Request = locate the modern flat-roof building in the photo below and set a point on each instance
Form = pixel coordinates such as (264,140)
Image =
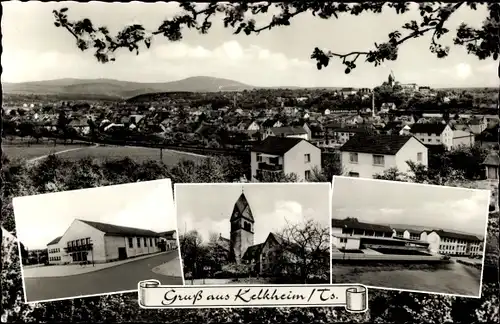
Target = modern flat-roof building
(351,235)
(100,242)
(445,242)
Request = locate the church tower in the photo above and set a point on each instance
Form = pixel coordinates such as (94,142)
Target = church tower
(242,229)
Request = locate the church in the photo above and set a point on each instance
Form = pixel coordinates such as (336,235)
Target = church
(240,248)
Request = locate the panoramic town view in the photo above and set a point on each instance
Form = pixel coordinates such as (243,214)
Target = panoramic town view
(99,94)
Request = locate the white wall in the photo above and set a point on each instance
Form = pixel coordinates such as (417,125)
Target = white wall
(136,251)
(58,254)
(445,138)
(462,138)
(365,166)
(409,152)
(79,230)
(112,243)
(434,242)
(294,159)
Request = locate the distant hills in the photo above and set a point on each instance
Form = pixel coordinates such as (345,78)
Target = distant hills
(81,89)
(109,89)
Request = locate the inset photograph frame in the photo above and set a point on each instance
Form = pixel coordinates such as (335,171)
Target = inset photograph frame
(254,233)
(408,236)
(97,241)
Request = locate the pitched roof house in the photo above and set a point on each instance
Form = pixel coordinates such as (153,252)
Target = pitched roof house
(433,133)
(368,155)
(285,155)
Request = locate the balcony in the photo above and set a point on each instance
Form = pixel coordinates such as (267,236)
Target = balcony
(270,167)
(79,248)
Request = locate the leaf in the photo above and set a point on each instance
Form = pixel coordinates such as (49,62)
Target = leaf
(347,71)
(63,10)
(57,24)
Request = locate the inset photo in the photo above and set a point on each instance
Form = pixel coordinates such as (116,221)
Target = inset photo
(254,233)
(97,241)
(407,236)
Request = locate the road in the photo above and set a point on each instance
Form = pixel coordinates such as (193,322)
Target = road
(119,278)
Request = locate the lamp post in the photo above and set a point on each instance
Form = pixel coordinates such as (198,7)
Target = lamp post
(92,251)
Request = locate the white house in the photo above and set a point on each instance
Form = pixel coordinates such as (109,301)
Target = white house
(285,155)
(444,242)
(367,155)
(100,242)
(295,132)
(461,137)
(254,126)
(478,125)
(433,134)
(170,239)
(54,251)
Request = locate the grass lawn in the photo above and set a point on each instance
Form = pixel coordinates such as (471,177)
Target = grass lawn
(102,153)
(35,150)
(138,154)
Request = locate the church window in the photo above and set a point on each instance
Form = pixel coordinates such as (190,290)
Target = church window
(246,226)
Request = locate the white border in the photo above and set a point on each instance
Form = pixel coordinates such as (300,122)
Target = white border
(160,181)
(243,184)
(436,186)
(177,234)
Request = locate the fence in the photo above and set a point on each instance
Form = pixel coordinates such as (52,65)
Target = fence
(385,257)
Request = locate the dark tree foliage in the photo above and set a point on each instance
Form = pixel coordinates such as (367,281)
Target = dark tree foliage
(240,16)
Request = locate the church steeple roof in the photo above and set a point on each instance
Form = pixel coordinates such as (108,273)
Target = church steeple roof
(242,209)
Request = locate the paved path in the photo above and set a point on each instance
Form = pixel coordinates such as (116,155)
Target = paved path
(170,268)
(121,278)
(59,152)
(75,269)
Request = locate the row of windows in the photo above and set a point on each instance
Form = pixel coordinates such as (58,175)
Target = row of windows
(377,159)
(145,240)
(430,140)
(79,242)
(343,240)
(452,240)
(365,233)
(57,258)
(56,250)
(307,158)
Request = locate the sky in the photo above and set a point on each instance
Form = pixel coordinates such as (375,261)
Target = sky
(207,208)
(34,49)
(145,205)
(391,202)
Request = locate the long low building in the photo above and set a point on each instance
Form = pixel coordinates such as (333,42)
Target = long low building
(350,235)
(99,242)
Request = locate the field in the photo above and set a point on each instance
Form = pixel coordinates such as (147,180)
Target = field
(102,153)
(36,150)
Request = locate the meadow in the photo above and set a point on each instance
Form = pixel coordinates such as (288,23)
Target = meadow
(74,152)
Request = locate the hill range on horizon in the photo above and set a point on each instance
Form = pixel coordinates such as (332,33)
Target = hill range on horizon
(118,90)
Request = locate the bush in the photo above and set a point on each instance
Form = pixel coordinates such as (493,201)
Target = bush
(234,271)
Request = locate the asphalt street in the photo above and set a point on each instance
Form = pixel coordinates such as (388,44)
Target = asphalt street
(114,279)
